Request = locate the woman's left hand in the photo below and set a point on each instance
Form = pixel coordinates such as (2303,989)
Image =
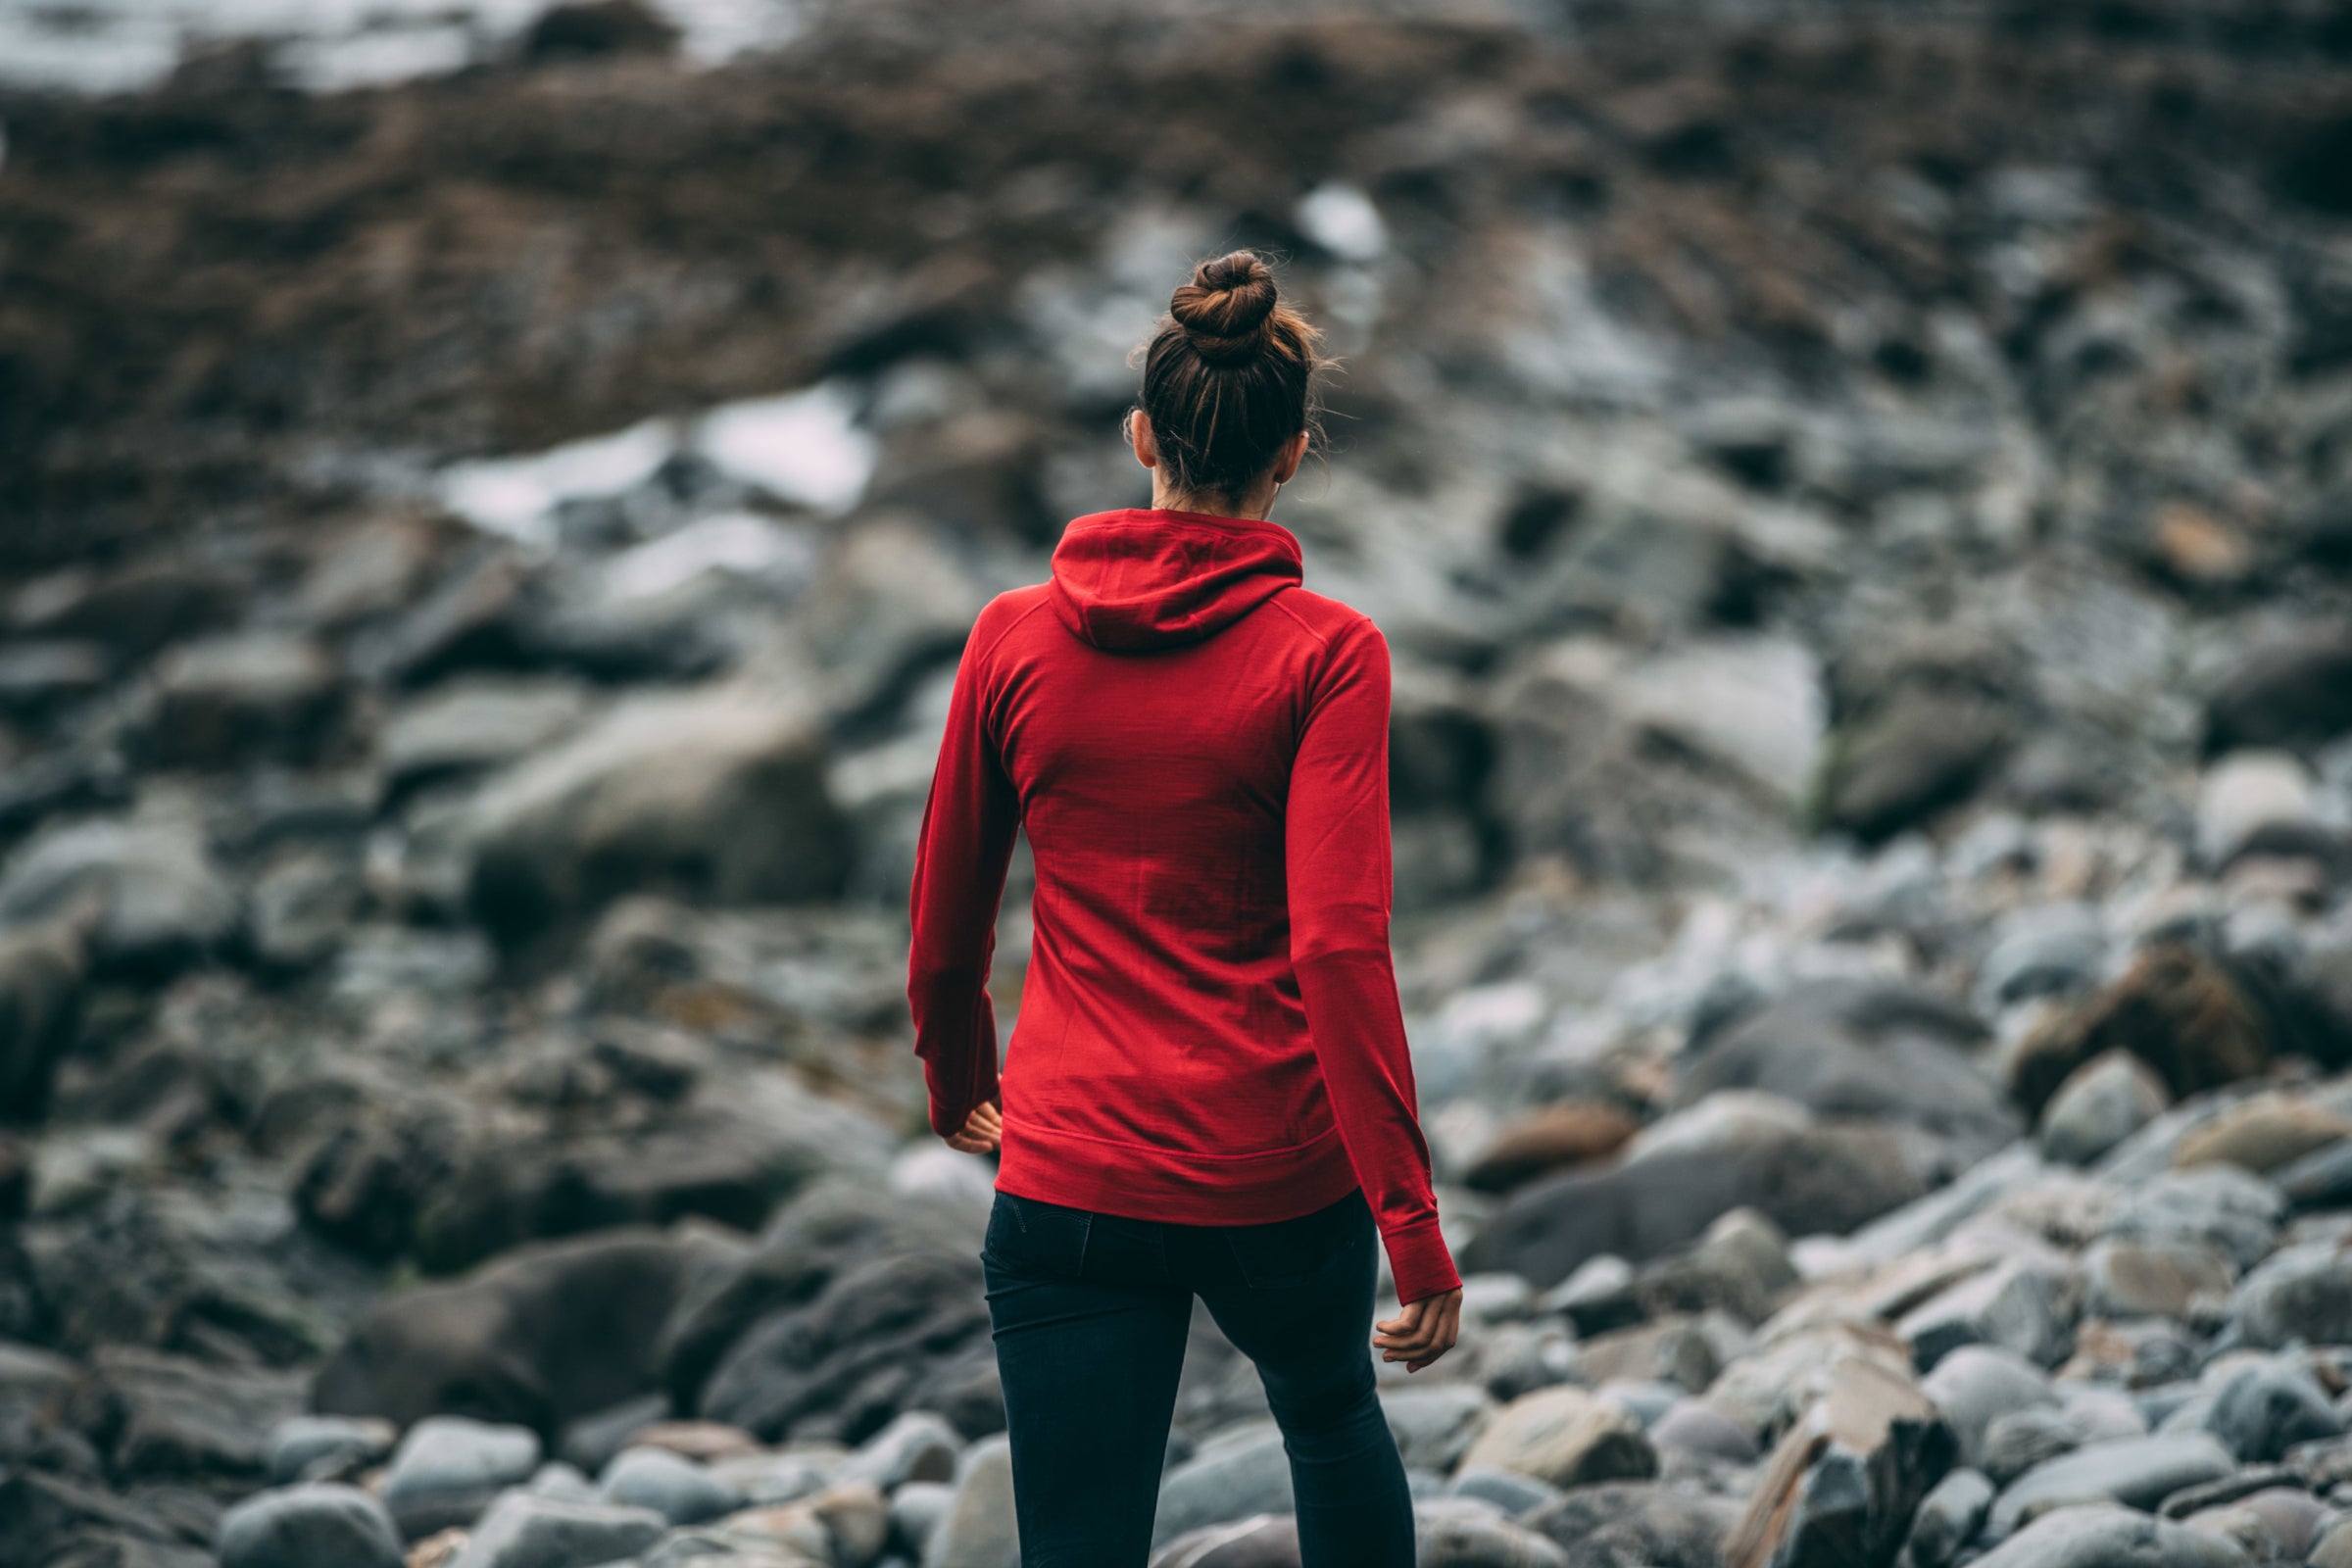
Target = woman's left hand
(1421,1331)
(983,1130)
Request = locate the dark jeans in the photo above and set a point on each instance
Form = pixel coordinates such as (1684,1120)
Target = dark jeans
(1091,1314)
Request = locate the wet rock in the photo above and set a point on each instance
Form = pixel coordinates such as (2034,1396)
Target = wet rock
(2175,1008)
(2104,1101)
(526,1531)
(543,1335)
(1566,1437)
(161,900)
(2269,1407)
(2110,1537)
(2138,1472)
(448,1469)
(2162,1279)
(304,1526)
(225,702)
(1948,1518)
(718,795)
(1845,1480)
(1560,1135)
(680,1491)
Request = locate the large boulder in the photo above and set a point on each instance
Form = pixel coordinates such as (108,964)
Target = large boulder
(854,1308)
(545,1335)
(1845,1480)
(1729,1152)
(1863,1049)
(716,795)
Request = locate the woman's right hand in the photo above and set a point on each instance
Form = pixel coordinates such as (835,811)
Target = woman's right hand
(1421,1331)
(983,1130)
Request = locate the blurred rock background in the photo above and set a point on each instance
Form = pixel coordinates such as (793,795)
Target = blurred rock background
(1860,496)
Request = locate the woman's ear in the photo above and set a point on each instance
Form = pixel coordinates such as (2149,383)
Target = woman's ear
(1293,452)
(1139,433)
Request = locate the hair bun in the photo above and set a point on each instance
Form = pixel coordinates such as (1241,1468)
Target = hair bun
(1225,308)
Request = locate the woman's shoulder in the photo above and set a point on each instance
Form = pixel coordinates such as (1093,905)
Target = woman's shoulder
(1334,622)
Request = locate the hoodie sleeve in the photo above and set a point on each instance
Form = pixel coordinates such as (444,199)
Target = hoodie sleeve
(1341,882)
(970,818)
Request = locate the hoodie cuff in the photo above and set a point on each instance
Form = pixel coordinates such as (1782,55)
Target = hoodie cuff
(1420,1260)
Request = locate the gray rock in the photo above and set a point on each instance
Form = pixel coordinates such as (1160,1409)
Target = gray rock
(1508,1490)
(309,1527)
(1693,1426)
(2128,1279)
(917,1445)
(675,1487)
(1732,1151)
(42,969)
(2016,1441)
(1848,1048)
(162,902)
(1566,1437)
(2267,1407)
(2106,1100)
(718,795)
(527,1531)
(176,1417)
(1636,1525)
(1847,1479)
(2110,1537)
(338,1442)
(917,1509)
(2022,1305)
(1949,1518)
(1435,1426)
(228,701)
(2219,1207)
(474,725)
(449,1468)
(1460,1532)
(2294,691)
(1977,1384)
(2041,951)
(2138,1472)
(2302,1295)
(1236,1473)
(980,1529)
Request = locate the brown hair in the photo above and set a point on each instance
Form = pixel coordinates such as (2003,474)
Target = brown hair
(1228,377)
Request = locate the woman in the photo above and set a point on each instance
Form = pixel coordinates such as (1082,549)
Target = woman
(1207,1091)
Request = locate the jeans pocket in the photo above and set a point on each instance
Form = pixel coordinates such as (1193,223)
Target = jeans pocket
(1030,1237)
(1288,1252)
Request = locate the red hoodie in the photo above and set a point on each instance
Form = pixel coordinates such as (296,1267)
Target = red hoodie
(1209,1030)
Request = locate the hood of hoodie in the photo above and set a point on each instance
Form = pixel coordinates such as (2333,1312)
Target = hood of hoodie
(1141,578)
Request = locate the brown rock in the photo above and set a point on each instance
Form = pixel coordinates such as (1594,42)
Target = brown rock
(2264,1134)
(1553,1137)
(704,1442)
(1565,1435)
(2175,1008)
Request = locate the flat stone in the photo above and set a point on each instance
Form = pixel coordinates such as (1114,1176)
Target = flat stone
(1564,1436)
(2125,1279)
(677,1488)
(2138,1472)
(448,1469)
(526,1531)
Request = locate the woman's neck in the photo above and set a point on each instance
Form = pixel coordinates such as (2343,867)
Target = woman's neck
(1256,504)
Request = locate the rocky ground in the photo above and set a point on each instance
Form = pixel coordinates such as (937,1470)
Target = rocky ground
(1861,500)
